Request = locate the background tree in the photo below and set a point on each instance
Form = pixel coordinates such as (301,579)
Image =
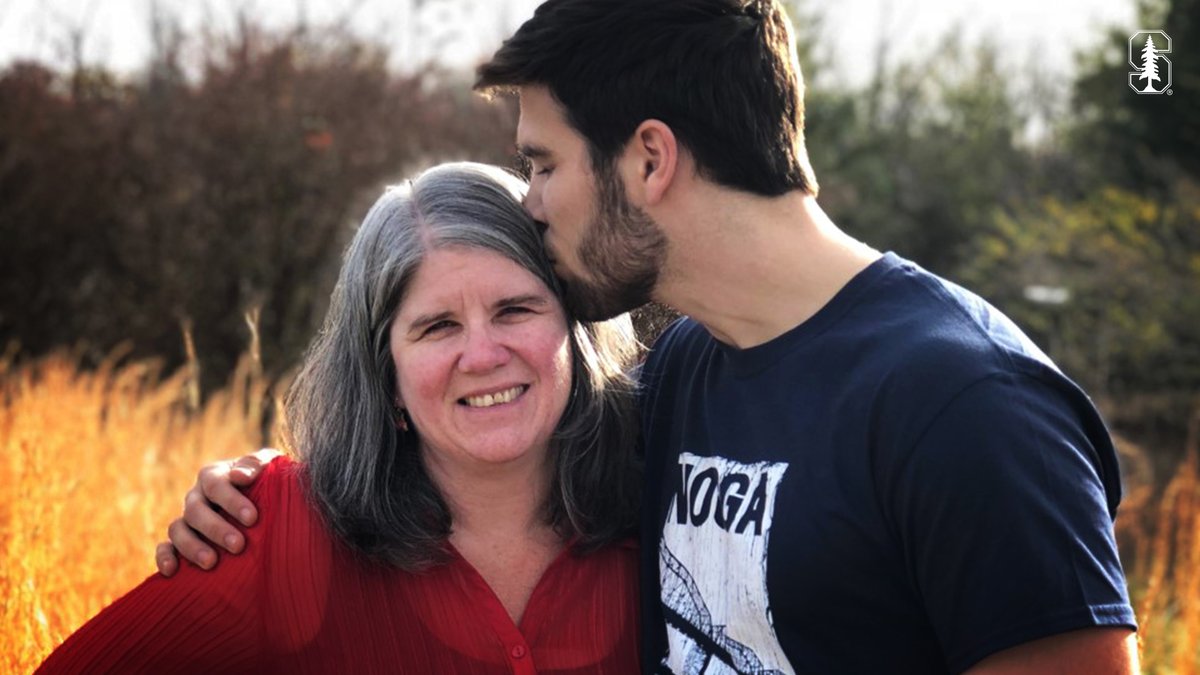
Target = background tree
(229,174)
(130,208)
(918,160)
(1144,143)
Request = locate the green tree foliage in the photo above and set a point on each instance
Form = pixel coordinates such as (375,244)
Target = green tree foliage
(1130,325)
(126,209)
(1141,142)
(1118,223)
(918,160)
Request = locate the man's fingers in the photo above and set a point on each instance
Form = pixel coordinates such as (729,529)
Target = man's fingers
(198,514)
(164,558)
(203,526)
(215,484)
(245,469)
(191,546)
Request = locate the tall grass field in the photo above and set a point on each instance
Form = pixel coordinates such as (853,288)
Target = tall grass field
(94,464)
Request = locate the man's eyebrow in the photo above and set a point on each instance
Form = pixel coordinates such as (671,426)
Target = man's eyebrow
(532,151)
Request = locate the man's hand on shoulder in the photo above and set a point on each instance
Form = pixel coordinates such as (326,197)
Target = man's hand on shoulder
(195,535)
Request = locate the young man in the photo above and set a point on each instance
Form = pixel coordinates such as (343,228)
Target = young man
(852,465)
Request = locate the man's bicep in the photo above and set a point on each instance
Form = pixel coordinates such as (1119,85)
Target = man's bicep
(1002,510)
(1089,651)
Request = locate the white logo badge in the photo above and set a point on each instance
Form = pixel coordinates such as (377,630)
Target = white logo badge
(1152,70)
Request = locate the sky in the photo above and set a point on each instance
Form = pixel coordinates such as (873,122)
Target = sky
(462,31)
(1047,32)
(458,31)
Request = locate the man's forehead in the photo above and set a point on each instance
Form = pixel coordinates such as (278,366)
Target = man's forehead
(527,147)
(535,96)
(539,108)
(541,121)
(526,129)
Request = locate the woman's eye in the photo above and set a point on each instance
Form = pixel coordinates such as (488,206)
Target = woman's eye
(517,313)
(437,327)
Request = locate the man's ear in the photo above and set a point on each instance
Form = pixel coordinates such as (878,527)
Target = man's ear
(654,154)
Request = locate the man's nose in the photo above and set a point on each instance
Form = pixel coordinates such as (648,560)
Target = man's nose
(533,204)
(483,352)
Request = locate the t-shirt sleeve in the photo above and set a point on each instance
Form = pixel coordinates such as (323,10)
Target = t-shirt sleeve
(1002,510)
(194,622)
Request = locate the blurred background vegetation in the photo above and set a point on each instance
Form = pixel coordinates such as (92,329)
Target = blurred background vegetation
(169,239)
(226,176)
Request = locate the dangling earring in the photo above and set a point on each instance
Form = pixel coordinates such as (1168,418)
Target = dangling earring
(401,420)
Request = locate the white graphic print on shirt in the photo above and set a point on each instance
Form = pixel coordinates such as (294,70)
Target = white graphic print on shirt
(713,566)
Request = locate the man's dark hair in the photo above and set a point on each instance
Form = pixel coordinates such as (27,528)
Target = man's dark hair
(721,73)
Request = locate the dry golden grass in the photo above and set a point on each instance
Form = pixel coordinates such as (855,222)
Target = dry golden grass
(1163,536)
(93,466)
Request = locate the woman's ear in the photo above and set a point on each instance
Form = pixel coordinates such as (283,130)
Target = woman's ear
(401,415)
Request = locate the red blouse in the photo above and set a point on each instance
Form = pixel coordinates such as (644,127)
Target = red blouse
(298,600)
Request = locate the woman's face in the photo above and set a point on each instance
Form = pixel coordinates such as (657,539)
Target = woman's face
(482,359)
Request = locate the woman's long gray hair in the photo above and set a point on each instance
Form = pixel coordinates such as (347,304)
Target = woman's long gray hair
(366,476)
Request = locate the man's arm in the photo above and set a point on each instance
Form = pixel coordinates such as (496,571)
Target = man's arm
(1004,508)
(199,622)
(1090,651)
(202,526)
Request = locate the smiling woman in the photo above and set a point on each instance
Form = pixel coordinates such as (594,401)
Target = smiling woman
(466,485)
(482,360)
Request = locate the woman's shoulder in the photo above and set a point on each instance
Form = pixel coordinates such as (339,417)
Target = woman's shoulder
(287,517)
(281,477)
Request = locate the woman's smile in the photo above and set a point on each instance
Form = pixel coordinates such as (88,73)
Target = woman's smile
(482,358)
(494,399)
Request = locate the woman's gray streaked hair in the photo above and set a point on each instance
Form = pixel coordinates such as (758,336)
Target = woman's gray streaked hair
(368,478)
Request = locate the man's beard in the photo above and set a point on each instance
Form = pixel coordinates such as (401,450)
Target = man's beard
(622,252)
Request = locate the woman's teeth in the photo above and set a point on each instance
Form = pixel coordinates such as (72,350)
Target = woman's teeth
(489,400)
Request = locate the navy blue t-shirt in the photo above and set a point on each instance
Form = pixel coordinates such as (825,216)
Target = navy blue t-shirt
(903,483)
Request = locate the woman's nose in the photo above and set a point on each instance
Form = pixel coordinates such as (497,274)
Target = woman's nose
(483,352)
